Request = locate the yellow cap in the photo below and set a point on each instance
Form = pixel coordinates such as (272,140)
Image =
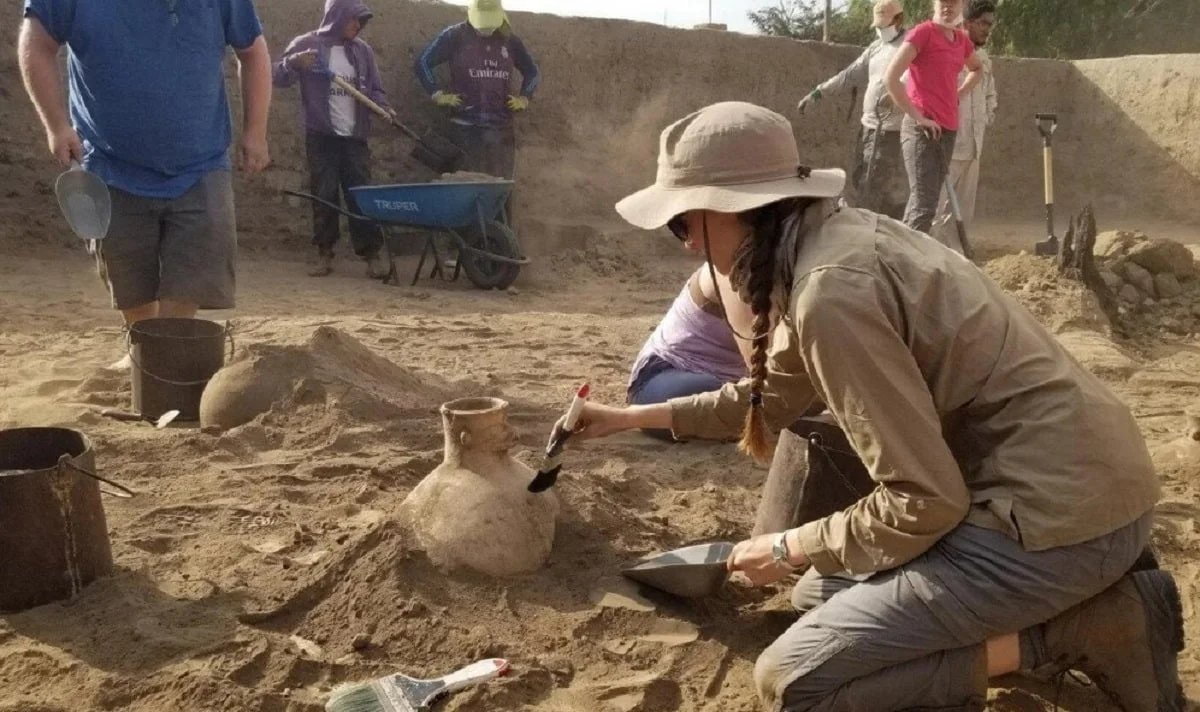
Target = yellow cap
(486,14)
(886,11)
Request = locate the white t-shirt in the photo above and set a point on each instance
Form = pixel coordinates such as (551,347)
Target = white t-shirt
(341,105)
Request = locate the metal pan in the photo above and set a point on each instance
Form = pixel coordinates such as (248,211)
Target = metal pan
(85,202)
(691,572)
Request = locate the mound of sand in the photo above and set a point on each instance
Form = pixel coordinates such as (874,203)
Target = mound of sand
(1060,304)
(332,365)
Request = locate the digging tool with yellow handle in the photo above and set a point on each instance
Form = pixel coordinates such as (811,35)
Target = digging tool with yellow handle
(1047,124)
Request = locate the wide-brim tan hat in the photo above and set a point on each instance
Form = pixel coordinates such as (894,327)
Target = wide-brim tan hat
(728,157)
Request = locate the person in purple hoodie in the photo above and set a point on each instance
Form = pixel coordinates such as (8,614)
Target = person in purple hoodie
(482,53)
(337,126)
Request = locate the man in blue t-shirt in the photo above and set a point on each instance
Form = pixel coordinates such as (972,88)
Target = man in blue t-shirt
(149,115)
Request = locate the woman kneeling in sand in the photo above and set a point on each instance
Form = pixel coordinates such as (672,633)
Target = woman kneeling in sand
(693,349)
(1013,490)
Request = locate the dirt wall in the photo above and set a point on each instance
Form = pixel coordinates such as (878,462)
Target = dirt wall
(610,86)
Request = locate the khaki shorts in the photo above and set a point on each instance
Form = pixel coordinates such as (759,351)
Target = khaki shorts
(180,250)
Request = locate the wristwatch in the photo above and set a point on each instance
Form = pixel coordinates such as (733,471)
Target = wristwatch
(779,550)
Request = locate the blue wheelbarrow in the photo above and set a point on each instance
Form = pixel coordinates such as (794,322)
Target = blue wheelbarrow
(471,214)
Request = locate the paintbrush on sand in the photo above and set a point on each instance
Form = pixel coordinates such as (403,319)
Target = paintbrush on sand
(552,463)
(400,693)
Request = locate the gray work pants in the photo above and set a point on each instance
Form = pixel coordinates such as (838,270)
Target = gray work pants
(913,637)
(927,167)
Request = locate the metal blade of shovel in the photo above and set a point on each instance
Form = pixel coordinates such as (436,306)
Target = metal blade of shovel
(85,202)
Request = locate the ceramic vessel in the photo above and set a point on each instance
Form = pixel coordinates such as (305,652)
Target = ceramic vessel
(475,509)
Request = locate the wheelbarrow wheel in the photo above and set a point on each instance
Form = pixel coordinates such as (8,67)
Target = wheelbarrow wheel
(491,274)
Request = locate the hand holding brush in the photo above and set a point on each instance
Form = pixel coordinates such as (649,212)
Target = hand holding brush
(552,463)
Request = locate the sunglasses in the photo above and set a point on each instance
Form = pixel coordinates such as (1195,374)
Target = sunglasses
(678,227)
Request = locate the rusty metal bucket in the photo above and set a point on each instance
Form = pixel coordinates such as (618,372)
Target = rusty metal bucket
(53,533)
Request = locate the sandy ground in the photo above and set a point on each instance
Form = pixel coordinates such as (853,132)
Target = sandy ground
(250,561)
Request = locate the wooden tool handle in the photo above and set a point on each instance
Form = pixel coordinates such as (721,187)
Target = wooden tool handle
(352,91)
(366,100)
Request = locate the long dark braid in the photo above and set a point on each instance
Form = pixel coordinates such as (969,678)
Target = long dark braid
(753,276)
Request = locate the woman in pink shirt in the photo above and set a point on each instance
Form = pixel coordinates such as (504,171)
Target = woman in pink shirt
(934,54)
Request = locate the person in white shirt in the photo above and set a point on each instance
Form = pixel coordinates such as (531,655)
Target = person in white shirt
(977,110)
(878,182)
(336,125)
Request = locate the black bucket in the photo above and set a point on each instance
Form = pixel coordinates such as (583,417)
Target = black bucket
(173,360)
(53,533)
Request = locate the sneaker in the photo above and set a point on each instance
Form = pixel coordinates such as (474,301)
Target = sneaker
(1127,641)
(378,268)
(323,267)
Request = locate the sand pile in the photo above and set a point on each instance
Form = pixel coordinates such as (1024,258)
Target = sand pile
(1060,304)
(333,368)
(468,177)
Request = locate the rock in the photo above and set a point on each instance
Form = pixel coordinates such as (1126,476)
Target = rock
(1160,256)
(1130,294)
(1171,324)
(1111,280)
(362,641)
(1167,286)
(1117,243)
(1140,278)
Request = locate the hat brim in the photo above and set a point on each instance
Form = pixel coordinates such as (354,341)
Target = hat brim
(653,207)
(491,19)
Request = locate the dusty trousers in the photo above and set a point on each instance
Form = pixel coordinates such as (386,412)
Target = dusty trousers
(913,637)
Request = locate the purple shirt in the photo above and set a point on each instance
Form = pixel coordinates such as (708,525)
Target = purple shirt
(691,339)
(315,84)
(481,70)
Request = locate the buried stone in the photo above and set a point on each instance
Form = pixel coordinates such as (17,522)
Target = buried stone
(474,510)
(1167,285)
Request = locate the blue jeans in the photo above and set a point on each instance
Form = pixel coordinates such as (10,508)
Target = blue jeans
(667,382)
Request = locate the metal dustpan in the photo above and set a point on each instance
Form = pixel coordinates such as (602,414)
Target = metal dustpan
(691,572)
(85,202)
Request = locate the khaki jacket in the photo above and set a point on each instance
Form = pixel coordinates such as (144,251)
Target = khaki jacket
(961,405)
(870,70)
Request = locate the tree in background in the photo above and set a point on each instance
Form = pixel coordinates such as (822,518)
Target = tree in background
(1066,29)
(1077,29)
(850,22)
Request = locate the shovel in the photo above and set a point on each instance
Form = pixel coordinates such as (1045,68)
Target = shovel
(959,226)
(84,201)
(1047,124)
(437,154)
